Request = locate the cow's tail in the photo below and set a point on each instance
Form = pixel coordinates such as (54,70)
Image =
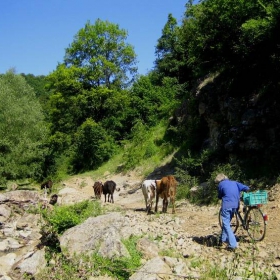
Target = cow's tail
(135,189)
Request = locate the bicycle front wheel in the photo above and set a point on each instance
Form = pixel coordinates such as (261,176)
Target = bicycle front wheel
(234,223)
(256,225)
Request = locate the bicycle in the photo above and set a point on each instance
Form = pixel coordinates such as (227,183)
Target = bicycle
(254,220)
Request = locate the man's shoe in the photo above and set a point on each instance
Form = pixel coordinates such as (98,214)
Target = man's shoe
(222,245)
(231,249)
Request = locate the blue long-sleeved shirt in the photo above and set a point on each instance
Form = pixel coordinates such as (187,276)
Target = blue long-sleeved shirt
(229,192)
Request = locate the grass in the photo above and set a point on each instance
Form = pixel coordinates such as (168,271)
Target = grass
(65,217)
(86,266)
(143,154)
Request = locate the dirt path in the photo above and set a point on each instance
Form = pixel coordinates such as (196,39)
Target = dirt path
(199,221)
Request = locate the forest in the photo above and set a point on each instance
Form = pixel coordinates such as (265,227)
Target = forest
(211,100)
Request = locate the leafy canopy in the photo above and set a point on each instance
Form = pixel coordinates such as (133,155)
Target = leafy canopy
(101,54)
(22,129)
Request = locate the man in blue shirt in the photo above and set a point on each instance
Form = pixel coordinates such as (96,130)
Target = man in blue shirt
(229,192)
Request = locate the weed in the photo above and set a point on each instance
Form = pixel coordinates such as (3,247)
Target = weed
(170,252)
(64,217)
(83,184)
(196,263)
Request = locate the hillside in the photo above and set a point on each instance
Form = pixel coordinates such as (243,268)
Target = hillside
(182,245)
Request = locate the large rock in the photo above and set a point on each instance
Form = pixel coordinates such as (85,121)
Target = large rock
(30,264)
(100,234)
(6,262)
(5,212)
(148,248)
(23,196)
(155,269)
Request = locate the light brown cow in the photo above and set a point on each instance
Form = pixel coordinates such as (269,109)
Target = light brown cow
(165,188)
(98,188)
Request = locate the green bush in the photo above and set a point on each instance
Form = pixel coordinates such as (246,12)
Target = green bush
(65,217)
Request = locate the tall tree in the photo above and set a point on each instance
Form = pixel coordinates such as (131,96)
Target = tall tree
(225,34)
(22,129)
(102,54)
(92,83)
(166,61)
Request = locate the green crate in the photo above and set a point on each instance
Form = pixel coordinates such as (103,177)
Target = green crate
(255,198)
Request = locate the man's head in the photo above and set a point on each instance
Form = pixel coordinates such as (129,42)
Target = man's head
(220,177)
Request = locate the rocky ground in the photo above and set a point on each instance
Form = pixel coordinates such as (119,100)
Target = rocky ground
(199,223)
(187,239)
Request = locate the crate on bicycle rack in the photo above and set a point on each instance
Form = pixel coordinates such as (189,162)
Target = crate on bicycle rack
(255,198)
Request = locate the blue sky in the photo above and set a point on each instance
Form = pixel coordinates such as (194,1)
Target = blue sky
(35,33)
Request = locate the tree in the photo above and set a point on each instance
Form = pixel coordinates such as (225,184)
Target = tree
(37,83)
(92,147)
(228,34)
(170,60)
(22,129)
(92,84)
(149,102)
(102,55)
(166,62)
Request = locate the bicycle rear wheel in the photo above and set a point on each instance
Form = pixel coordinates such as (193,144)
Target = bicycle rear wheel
(255,223)
(234,223)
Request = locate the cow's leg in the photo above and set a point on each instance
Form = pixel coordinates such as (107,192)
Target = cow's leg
(112,198)
(173,205)
(146,202)
(156,203)
(150,207)
(165,204)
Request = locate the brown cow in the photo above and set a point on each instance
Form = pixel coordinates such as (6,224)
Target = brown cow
(108,188)
(98,188)
(47,185)
(165,188)
(53,199)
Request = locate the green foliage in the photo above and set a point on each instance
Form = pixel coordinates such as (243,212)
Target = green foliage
(38,83)
(89,110)
(22,129)
(194,169)
(146,145)
(65,217)
(102,55)
(150,102)
(220,34)
(93,146)
(85,266)
(170,61)
(186,183)
(232,171)
(134,261)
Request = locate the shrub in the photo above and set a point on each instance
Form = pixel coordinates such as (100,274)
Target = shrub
(65,217)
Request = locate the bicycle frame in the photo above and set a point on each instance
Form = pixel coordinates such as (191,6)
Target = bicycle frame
(243,219)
